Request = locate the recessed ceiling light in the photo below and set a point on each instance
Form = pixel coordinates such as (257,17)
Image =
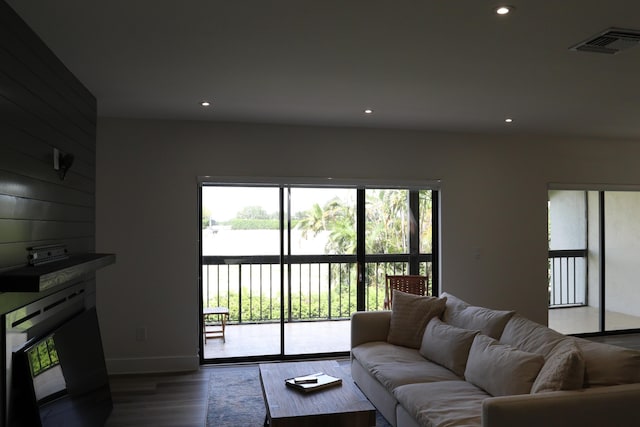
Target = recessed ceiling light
(368,111)
(504,10)
(205,103)
(508,120)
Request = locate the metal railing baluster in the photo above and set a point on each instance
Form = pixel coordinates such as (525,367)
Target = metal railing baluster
(566,288)
(227,279)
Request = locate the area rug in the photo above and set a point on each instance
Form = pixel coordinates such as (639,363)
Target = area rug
(235,397)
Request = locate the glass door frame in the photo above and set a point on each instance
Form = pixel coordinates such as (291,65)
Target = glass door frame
(285,215)
(599,203)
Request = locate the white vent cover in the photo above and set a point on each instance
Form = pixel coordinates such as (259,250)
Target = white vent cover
(610,41)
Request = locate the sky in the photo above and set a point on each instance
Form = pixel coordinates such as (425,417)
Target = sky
(225,202)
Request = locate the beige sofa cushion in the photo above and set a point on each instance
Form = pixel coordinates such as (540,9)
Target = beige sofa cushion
(463,315)
(500,369)
(454,306)
(608,364)
(527,335)
(409,317)
(563,369)
(445,403)
(447,345)
(394,365)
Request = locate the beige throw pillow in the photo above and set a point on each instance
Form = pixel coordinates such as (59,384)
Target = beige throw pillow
(409,317)
(499,369)
(562,370)
(447,345)
(454,306)
(488,321)
(607,364)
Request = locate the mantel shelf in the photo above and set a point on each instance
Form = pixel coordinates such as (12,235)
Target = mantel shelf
(51,275)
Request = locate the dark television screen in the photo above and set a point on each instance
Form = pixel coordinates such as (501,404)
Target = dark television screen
(61,379)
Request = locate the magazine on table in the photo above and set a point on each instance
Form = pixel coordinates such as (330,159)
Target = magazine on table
(313,382)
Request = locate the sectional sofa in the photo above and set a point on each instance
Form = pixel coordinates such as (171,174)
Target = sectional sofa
(440,362)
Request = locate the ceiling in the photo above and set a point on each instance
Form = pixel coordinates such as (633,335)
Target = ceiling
(446,65)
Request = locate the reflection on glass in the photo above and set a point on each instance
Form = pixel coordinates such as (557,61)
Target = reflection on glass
(44,364)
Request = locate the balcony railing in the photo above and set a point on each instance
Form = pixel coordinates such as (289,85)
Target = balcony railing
(567,278)
(324,287)
(314,287)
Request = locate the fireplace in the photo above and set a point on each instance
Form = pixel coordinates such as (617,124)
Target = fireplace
(55,368)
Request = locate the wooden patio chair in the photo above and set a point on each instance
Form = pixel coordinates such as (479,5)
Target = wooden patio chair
(209,330)
(411,284)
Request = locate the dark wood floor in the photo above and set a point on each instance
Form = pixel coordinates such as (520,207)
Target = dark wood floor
(180,400)
(166,400)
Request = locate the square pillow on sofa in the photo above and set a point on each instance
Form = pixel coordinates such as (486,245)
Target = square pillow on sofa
(527,335)
(409,317)
(463,315)
(447,345)
(454,306)
(563,369)
(500,369)
(607,364)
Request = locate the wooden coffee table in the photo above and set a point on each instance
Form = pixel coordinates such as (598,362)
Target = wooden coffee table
(340,405)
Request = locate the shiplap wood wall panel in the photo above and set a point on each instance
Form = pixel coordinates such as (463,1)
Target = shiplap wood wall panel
(42,106)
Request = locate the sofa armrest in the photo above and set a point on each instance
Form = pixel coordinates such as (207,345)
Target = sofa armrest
(603,406)
(369,326)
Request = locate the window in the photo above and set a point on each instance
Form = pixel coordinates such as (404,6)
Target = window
(285,259)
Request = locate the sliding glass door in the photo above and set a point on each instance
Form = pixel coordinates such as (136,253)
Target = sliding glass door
(321,269)
(398,238)
(284,260)
(593,252)
(621,210)
(241,270)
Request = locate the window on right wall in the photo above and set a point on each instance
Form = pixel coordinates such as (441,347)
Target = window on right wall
(594,248)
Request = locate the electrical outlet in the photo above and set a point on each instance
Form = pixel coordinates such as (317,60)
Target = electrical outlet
(141,334)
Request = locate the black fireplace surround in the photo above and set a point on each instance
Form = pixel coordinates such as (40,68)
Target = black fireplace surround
(54,360)
(60,379)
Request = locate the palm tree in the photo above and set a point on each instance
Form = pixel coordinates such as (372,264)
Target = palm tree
(336,217)
(387,223)
(387,219)
(313,221)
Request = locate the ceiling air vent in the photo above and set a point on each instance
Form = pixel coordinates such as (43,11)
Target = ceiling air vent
(612,40)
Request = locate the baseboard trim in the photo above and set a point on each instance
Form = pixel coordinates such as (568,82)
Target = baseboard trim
(152,365)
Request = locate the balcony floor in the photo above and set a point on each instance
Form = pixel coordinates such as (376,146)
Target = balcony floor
(577,320)
(264,339)
(302,338)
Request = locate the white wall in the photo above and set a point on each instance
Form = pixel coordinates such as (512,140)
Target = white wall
(493,212)
(568,220)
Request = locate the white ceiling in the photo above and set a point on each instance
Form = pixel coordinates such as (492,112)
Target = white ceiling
(423,64)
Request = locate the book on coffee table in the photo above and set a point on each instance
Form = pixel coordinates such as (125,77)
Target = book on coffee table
(313,382)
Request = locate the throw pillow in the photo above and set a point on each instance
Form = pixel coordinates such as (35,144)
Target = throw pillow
(409,317)
(454,306)
(500,369)
(463,315)
(489,322)
(447,345)
(607,364)
(527,335)
(563,369)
